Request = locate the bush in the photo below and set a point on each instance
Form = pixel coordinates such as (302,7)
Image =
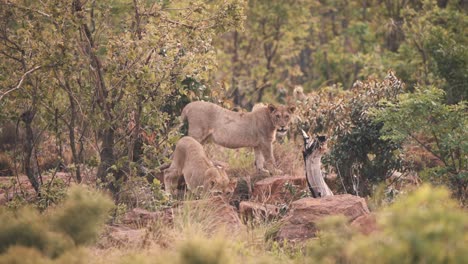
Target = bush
(6,165)
(423,227)
(29,237)
(23,255)
(137,192)
(422,118)
(82,215)
(357,152)
(204,252)
(27,228)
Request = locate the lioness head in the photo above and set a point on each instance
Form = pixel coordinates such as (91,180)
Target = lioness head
(281,117)
(219,182)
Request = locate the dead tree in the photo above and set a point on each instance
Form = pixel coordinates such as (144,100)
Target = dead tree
(313,151)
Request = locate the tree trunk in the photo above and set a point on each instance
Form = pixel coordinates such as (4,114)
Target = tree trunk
(107,158)
(313,151)
(71,129)
(27,117)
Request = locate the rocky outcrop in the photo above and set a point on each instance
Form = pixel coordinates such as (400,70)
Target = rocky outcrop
(251,210)
(366,224)
(216,211)
(279,189)
(301,222)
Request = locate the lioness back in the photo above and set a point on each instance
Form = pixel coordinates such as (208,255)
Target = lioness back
(256,129)
(208,121)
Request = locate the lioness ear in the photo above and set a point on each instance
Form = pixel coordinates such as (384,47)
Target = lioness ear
(292,109)
(272,108)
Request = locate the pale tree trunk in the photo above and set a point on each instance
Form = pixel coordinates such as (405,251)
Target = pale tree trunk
(313,151)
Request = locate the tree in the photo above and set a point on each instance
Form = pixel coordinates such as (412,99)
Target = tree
(441,129)
(107,70)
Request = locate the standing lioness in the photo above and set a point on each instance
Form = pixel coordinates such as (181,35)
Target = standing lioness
(256,129)
(190,161)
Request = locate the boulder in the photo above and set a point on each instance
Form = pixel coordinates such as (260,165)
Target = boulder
(214,213)
(141,217)
(366,224)
(300,223)
(279,189)
(258,211)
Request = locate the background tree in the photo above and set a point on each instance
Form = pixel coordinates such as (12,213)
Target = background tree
(105,71)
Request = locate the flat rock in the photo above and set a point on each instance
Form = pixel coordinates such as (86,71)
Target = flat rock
(300,223)
(279,189)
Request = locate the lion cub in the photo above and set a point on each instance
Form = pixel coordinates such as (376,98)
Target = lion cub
(190,161)
(256,129)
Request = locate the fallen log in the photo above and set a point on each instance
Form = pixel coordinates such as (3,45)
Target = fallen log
(313,151)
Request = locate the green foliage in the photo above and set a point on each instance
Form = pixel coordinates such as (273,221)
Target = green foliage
(137,192)
(441,129)
(27,228)
(29,237)
(122,70)
(53,193)
(423,227)
(204,252)
(333,239)
(358,153)
(82,215)
(23,255)
(436,39)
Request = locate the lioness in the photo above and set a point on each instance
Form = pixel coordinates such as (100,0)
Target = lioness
(257,129)
(190,161)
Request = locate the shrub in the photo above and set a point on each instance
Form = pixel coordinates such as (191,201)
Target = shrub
(23,255)
(26,228)
(423,114)
(53,192)
(137,192)
(6,165)
(195,251)
(82,215)
(357,152)
(423,227)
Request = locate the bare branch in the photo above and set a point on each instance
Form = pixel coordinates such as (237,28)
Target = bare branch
(18,86)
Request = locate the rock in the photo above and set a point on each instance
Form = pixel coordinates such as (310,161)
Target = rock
(258,211)
(300,223)
(124,236)
(279,189)
(216,211)
(366,224)
(141,217)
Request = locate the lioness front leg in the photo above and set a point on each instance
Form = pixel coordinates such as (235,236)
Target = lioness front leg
(260,161)
(270,162)
(171,177)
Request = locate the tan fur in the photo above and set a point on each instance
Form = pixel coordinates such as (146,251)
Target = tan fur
(190,161)
(256,129)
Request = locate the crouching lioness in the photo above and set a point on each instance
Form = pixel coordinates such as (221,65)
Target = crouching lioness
(190,161)
(256,129)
